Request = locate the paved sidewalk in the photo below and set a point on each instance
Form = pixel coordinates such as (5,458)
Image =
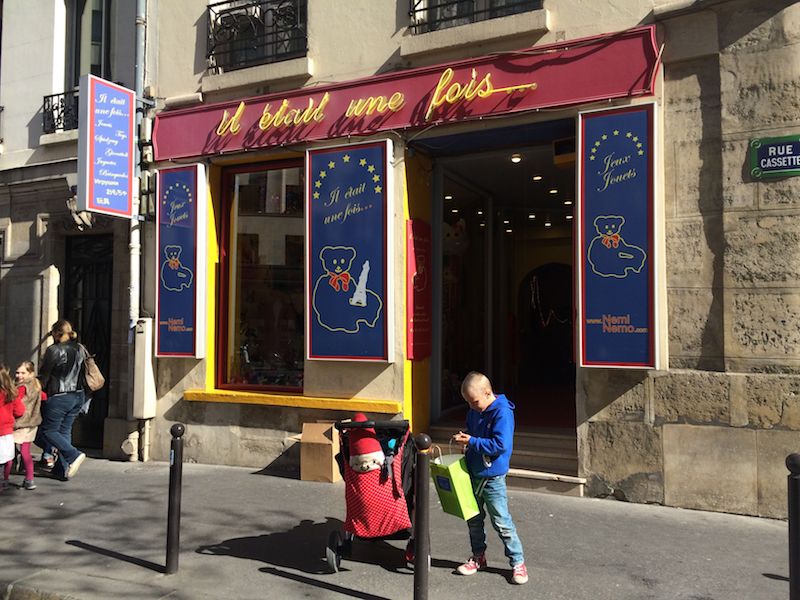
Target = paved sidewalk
(249,536)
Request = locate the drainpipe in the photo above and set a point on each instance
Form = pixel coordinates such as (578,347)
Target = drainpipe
(135,245)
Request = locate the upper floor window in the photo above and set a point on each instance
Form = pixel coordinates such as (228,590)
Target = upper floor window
(90,29)
(245,33)
(433,15)
(89,32)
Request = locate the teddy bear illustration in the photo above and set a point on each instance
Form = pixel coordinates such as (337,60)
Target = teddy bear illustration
(609,254)
(340,302)
(454,238)
(174,276)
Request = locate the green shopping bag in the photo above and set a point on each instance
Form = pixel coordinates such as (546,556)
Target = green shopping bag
(454,486)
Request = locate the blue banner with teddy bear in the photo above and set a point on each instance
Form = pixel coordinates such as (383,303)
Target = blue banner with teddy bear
(347,252)
(179,275)
(617,297)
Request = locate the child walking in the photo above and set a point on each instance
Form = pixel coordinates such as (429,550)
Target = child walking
(488,443)
(11,407)
(26,426)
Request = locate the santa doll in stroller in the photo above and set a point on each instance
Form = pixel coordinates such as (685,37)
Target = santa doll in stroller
(376,460)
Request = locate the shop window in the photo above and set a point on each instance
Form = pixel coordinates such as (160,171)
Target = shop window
(264,268)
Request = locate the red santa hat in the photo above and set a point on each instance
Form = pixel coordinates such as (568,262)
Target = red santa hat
(363,441)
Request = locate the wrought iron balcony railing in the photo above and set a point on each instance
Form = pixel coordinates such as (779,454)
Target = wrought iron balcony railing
(433,15)
(60,112)
(245,33)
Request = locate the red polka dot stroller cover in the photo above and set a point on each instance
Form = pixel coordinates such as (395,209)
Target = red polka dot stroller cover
(376,505)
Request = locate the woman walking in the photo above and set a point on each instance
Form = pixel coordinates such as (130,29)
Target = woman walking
(62,379)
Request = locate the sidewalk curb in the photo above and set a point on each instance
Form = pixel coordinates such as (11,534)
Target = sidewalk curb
(16,590)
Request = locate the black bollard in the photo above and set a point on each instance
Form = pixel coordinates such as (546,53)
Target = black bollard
(793,464)
(174,507)
(422,538)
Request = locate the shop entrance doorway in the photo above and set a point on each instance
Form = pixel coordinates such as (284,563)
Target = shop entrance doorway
(87,305)
(507,254)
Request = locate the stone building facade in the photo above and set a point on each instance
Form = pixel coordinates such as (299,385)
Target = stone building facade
(56,262)
(713,430)
(709,429)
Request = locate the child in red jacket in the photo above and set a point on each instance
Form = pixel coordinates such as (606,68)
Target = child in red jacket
(27,425)
(11,407)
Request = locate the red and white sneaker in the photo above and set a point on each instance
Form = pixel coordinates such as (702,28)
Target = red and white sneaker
(519,574)
(473,565)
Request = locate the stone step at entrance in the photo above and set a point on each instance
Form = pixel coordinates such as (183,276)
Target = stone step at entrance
(544,460)
(549,483)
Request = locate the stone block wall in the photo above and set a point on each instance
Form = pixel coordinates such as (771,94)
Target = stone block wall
(713,431)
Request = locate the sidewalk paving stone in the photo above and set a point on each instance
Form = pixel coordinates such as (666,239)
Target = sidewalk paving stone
(247,535)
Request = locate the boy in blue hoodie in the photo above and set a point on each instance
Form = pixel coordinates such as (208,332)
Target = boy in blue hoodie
(488,443)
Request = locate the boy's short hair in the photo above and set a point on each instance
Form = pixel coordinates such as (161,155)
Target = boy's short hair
(476,379)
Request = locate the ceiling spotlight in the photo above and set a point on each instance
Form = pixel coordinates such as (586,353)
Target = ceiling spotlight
(506,222)
(567,202)
(509,230)
(454,211)
(448,197)
(553,191)
(547,223)
(480,212)
(537,177)
(515,158)
(531,216)
(483,224)
(569,217)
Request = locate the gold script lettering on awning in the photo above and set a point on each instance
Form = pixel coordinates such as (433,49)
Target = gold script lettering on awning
(452,92)
(231,123)
(447,91)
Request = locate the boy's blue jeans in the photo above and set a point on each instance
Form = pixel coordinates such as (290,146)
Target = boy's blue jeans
(493,499)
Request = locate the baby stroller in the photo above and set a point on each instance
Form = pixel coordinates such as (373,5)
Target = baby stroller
(379,482)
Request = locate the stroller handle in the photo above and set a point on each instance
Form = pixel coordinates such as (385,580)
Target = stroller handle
(393,425)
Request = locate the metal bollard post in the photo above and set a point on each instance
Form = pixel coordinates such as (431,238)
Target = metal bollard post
(793,464)
(174,506)
(422,539)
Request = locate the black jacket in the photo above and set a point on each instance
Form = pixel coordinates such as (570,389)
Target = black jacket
(62,368)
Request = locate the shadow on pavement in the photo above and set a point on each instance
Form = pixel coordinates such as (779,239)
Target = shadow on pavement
(322,584)
(140,562)
(775,577)
(303,548)
(287,465)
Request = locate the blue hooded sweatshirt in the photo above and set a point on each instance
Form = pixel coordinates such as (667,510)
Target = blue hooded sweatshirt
(492,438)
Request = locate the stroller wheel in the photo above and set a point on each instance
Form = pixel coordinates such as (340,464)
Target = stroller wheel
(333,552)
(347,544)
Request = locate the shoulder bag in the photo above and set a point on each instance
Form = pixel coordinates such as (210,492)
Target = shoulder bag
(91,372)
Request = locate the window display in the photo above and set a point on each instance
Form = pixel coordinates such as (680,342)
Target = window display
(265,302)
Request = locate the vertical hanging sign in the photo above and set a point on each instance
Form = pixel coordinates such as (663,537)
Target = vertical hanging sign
(617,297)
(106,138)
(180,262)
(418,289)
(350,305)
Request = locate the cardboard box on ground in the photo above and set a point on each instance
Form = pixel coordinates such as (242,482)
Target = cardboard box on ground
(319,446)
